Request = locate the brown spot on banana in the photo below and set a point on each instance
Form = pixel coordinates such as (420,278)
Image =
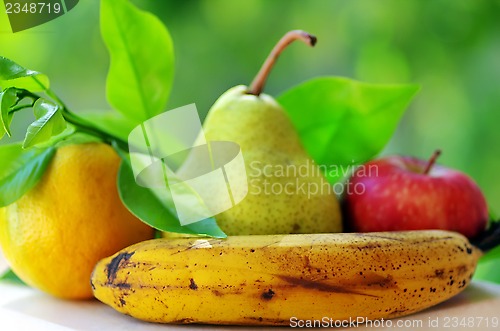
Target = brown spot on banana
(217,293)
(192,284)
(268,295)
(114,265)
(319,286)
(462,269)
(184,321)
(122,286)
(267,321)
(371,235)
(372,279)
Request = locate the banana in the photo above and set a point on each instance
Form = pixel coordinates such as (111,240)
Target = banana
(270,279)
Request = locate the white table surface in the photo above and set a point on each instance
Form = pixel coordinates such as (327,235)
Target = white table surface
(24,308)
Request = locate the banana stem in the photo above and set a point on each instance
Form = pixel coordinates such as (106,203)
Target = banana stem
(489,239)
(260,80)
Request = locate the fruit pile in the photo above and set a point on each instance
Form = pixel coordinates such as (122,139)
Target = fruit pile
(265,277)
(68,229)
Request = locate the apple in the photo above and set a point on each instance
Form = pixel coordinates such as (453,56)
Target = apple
(399,193)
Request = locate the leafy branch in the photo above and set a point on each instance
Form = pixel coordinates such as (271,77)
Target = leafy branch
(138,86)
(51,115)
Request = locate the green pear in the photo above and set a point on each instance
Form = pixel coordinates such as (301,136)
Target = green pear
(287,192)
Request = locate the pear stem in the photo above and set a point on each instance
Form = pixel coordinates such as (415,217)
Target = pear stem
(260,80)
(432,161)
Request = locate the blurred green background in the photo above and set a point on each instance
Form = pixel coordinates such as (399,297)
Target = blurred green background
(450,48)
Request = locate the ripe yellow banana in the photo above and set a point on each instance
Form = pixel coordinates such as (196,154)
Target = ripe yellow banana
(268,280)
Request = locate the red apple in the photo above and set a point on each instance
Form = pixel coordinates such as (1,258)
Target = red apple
(399,193)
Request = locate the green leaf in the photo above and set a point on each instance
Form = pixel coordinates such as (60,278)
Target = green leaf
(142,60)
(9,99)
(343,122)
(49,122)
(61,138)
(11,277)
(154,209)
(487,268)
(493,215)
(21,170)
(491,255)
(113,123)
(13,75)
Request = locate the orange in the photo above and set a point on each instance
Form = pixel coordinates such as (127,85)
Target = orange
(54,235)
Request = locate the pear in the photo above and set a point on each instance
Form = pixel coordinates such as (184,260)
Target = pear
(287,192)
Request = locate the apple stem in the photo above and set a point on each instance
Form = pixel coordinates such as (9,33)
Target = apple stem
(432,161)
(260,80)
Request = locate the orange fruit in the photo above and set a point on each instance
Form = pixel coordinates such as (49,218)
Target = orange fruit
(54,235)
